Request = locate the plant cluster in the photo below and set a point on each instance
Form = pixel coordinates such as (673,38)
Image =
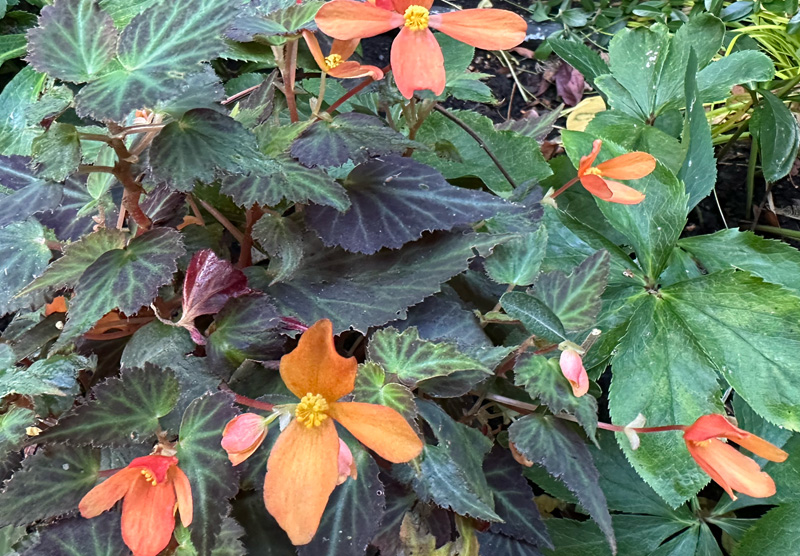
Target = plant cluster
(261,297)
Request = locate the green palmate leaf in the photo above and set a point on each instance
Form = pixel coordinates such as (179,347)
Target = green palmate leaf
(284,178)
(542,379)
(25,195)
(653,226)
(716,80)
(12,46)
(353,513)
(580,57)
(282,239)
(452,474)
(123,411)
(576,299)
(23,256)
(54,376)
(50,483)
(534,315)
(277,17)
(16,99)
(361,291)
(159,52)
(12,428)
(548,442)
(371,387)
(78,536)
(227,542)
(748,329)
(518,261)
(349,136)
(772,260)
(393,201)
(662,372)
(778,136)
(57,153)
(66,271)
(493,543)
(210,473)
(263,535)
(75,41)
(248,327)
(125,279)
(513,498)
(122,11)
(699,169)
(197,146)
(412,359)
(520,155)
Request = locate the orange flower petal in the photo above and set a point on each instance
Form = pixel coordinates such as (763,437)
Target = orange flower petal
(183,494)
(488,29)
(109,492)
(148,517)
(596,186)
(761,447)
(379,428)
(621,193)
(417,62)
(348,19)
(302,471)
(588,160)
(715,426)
(315,366)
(731,469)
(352,70)
(631,166)
(344,49)
(400,6)
(313,47)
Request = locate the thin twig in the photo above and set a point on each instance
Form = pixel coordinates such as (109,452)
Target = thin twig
(480,142)
(240,94)
(195,209)
(92,169)
(227,224)
(246,257)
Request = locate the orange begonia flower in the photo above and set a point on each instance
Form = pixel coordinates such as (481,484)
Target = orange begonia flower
(152,488)
(304,465)
(417,60)
(728,467)
(631,166)
(336,64)
(572,368)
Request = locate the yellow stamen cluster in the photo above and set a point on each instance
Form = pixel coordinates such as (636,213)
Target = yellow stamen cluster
(594,171)
(311,410)
(416,18)
(332,61)
(149,477)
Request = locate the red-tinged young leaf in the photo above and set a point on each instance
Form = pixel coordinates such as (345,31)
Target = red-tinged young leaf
(209,283)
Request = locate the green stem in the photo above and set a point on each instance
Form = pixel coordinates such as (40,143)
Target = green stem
(751,176)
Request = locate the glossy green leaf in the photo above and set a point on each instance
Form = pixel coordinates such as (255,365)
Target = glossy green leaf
(268,19)
(12,428)
(744,324)
(122,411)
(57,153)
(580,57)
(662,371)
(51,482)
(12,46)
(16,100)
(349,136)
(78,256)
(654,225)
(353,513)
(210,473)
(543,380)
(770,259)
(361,291)
(125,279)
(23,256)
(461,83)
(521,156)
(452,473)
(778,136)
(25,195)
(548,442)
(371,387)
(199,145)
(283,178)
(75,41)
(518,261)
(282,239)
(535,316)
(412,359)
(776,533)
(123,11)
(576,298)
(715,80)
(54,376)
(78,536)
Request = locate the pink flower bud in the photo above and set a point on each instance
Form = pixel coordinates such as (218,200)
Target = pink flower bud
(242,435)
(347,466)
(572,368)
